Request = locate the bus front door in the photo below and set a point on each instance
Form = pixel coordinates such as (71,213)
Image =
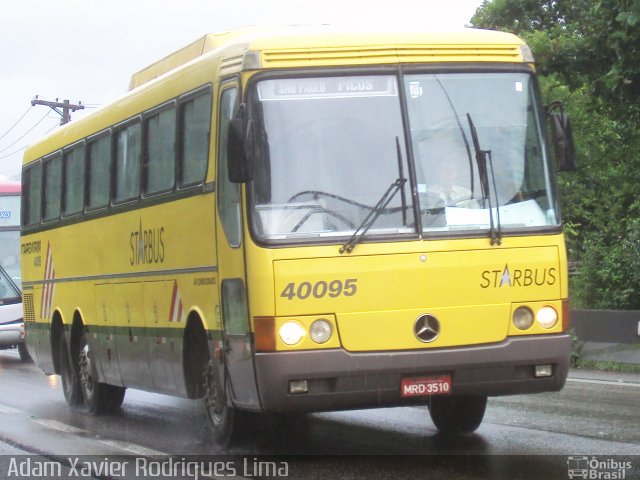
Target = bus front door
(240,379)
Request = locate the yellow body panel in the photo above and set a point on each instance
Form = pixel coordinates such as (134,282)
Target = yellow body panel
(147,246)
(470,289)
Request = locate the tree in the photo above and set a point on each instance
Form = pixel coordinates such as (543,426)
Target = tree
(586,53)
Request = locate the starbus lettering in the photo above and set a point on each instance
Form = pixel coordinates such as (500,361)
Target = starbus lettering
(147,246)
(525,277)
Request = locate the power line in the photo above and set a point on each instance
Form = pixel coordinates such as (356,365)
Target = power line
(48,131)
(13,153)
(22,148)
(25,134)
(17,122)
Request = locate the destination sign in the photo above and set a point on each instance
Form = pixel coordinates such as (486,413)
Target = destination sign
(327,87)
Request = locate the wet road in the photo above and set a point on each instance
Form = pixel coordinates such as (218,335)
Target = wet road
(597,415)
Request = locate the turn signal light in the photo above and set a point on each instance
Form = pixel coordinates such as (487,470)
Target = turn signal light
(265,333)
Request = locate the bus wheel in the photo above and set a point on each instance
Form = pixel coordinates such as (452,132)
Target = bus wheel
(69,378)
(225,421)
(453,415)
(98,397)
(24,353)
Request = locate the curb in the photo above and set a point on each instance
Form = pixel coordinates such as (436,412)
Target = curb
(608,356)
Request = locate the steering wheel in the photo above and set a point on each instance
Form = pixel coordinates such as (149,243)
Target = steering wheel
(319,209)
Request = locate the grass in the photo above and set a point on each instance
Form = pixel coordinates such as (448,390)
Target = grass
(607,366)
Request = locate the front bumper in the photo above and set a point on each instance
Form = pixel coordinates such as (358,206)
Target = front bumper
(339,380)
(11,334)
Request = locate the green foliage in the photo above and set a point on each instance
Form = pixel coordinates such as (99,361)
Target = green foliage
(610,269)
(587,55)
(576,348)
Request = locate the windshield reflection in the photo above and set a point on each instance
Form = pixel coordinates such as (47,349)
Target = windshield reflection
(504,110)
(331,154)
(327,152)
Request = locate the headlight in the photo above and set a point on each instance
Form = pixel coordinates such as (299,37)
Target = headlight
(291,333)
(547,317)
(522,318)
(320,331)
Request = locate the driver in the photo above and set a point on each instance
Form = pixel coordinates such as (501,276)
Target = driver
(449,185)
(444,167)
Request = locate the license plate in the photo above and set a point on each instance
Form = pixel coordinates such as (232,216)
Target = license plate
(425,386)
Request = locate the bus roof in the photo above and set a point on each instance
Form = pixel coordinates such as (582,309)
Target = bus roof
(326,45)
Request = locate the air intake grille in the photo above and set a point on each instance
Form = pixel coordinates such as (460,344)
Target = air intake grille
(439,53)
(27,305)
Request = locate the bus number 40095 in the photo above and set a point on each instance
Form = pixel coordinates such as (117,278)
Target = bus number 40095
(333,289)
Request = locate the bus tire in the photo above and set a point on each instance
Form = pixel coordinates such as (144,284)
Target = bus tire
(24,353)
(455,415)
(226,423)
(98,397)
(70,380)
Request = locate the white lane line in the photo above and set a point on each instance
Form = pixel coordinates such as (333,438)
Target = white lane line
(135,449)
(619,383)
(61,427)
(126,446)
(8,409)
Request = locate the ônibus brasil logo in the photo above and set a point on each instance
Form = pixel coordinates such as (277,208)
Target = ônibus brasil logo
(594,468)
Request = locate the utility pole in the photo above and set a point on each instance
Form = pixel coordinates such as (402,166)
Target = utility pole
(65,105)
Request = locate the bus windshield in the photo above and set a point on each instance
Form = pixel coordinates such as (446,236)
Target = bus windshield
(328,148)
(10,237)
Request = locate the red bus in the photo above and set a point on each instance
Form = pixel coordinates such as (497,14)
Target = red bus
(11,319)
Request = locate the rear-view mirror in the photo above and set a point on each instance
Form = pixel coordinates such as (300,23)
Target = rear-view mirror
(561,138)
(239,148)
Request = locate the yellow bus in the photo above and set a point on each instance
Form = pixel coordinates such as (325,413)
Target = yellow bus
(305,219)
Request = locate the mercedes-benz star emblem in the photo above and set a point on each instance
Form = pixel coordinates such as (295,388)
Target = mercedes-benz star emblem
(426,328)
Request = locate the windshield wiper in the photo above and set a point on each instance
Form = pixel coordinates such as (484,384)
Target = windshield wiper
(373,215)
(482,158)
(401,173)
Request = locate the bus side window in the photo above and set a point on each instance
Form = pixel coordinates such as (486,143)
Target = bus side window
(160,140)
(74,181)
(52,187)
(32,198)
(195,122)
(128,144)
(99,177)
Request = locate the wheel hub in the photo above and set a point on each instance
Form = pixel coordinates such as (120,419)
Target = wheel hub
(86,376)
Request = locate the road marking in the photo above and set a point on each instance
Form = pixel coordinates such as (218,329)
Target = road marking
(135,449)
(129,447)
(61,427)
(620,383)
(8,409)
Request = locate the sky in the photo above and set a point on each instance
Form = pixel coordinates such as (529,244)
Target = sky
(86,50)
